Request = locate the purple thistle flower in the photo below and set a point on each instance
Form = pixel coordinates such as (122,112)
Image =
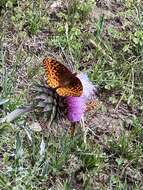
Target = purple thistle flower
(76,106)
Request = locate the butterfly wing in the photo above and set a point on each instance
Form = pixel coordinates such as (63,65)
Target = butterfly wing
(73,89)
(59,77)
(56,73)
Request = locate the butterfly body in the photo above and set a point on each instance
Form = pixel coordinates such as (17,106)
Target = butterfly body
(62,79)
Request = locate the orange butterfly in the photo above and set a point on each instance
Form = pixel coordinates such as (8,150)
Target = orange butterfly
(60,78)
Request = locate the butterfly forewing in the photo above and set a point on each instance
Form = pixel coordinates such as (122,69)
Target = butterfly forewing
(51,72)
(59,77)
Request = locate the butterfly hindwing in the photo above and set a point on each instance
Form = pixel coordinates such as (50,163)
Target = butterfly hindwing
(73,89)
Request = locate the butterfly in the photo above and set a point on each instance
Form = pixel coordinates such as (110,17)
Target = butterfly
(61,78)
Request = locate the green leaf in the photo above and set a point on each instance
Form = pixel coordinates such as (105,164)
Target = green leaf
(3,101)
(19,149)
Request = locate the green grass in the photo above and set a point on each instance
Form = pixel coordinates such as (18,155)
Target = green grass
(110,49)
